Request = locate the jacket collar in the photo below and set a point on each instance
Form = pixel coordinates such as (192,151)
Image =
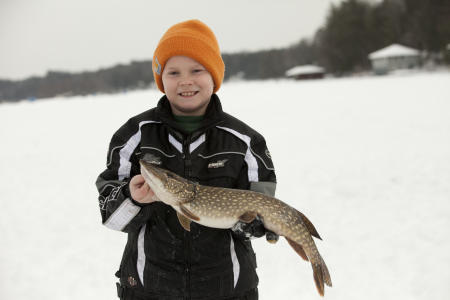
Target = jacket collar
(213,114)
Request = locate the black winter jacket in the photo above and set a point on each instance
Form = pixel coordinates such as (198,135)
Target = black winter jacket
(161,259)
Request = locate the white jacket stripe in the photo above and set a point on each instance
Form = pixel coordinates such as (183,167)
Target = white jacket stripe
(122,215)
(140,265)
(250,159)
(126,152)
(194,145)
(175,143)
(235,262)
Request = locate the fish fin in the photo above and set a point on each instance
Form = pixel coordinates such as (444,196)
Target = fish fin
(187,213)
(248,217)
(312,230)
(298,248)
(185,222)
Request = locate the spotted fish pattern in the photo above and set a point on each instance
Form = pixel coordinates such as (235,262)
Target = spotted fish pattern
(222,208)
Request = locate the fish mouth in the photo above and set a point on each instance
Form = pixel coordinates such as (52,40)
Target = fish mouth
(148,171)
(156,179)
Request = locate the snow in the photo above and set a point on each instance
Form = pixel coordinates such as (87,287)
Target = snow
(366,159)
(306,69)
(394,50)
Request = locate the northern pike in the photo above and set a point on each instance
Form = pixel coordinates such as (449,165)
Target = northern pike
(223,207)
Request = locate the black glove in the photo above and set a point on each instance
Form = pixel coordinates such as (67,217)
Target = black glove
(254,229)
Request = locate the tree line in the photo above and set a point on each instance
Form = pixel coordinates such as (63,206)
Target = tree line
(352,30)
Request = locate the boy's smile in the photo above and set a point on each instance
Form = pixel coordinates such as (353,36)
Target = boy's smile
(188,86)
(187,94)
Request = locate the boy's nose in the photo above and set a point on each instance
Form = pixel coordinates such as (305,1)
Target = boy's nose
(186,81)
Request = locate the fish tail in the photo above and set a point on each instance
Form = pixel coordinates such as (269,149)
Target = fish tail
(321,276)
(326,274)
(320,270)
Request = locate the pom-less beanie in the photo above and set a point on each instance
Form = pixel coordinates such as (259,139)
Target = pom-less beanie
(193,39)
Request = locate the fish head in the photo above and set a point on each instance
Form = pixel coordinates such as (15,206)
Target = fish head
(168,187)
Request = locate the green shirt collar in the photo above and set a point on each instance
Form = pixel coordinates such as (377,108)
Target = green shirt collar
(189,123)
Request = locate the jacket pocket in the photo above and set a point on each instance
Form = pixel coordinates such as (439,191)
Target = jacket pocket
(127,273)
(220,169)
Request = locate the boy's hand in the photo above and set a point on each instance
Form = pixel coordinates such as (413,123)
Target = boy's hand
(140,191)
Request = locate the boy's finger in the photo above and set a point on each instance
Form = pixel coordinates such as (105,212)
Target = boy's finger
(138,179)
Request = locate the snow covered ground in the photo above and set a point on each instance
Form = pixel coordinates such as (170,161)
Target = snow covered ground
(366,159)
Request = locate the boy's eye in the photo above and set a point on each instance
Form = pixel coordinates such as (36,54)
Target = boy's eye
(197,70)
(173,73)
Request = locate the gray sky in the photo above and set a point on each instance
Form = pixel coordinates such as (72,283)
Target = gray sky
(77,35)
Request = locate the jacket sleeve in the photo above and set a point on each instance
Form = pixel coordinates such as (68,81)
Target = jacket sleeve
(262,176)
(118,210)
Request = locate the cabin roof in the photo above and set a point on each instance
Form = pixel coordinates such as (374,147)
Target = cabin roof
(394,50)
(305,69)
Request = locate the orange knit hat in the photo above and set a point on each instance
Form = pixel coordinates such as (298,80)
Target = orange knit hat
(193,39)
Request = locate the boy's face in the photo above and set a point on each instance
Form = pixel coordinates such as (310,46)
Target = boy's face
(188,86)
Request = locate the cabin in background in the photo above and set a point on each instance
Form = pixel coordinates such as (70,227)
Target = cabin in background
(394,57)
(305,72)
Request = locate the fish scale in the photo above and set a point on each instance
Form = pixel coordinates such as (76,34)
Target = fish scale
(222,208)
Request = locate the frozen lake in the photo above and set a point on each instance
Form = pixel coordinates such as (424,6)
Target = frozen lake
(366,159)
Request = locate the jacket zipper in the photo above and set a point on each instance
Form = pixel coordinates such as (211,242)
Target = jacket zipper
(187,235)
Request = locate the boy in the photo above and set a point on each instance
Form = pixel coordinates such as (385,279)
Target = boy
(189,134)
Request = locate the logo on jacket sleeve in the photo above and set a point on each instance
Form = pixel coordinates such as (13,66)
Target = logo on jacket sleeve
(217,164)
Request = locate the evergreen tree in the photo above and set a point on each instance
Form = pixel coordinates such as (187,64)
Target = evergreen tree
(343,43)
